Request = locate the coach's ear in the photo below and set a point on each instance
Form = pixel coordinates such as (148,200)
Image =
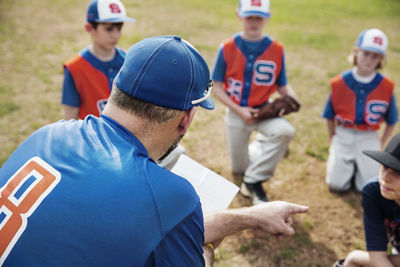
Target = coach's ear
(186,120)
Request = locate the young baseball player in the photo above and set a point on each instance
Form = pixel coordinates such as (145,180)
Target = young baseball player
(88,76)
(249,68)
(360,100)
(381,205)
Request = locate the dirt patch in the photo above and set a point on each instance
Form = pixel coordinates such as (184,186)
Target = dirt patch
(36,37)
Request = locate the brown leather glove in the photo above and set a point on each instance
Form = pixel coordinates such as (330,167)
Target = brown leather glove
(272,109)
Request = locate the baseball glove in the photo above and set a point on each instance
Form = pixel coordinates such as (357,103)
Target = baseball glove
(272,109)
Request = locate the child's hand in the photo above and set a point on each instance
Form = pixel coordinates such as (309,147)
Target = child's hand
(247,114)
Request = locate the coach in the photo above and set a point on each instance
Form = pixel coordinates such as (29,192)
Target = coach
(89,193)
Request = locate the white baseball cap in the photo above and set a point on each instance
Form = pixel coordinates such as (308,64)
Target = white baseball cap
(107,11)
(373,40)
(258,8)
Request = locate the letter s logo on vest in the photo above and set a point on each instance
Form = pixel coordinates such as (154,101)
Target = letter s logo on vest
(264,72)
(20,197)
(375,110)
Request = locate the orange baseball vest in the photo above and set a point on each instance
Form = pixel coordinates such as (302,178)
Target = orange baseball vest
(373,109)
(264,71)
(92,85)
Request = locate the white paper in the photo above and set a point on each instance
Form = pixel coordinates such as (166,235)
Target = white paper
(215,192)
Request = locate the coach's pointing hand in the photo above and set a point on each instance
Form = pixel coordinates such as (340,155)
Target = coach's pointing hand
(271,217)
(275,217)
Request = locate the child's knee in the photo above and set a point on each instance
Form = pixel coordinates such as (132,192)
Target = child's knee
(357,258)
(338,187)
(287,132)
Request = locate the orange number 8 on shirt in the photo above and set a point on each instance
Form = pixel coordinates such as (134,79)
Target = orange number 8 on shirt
(20,197)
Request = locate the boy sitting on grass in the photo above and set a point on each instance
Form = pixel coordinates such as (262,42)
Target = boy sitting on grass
(381,205)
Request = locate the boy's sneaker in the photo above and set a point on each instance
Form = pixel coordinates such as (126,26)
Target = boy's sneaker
(255,192)
(339,263)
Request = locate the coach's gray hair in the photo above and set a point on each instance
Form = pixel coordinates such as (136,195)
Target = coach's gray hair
(141,108)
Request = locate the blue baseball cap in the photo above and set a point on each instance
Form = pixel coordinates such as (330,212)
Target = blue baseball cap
(166,71)
(112,11)
(373,40)
(259,8)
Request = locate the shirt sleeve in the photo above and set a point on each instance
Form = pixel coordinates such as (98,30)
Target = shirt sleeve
(281,80)
(392,114)
(219,66)
(373,219)
(329,112)
(70,95)
(182,246)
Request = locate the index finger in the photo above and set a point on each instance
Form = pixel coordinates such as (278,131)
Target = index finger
(296,208)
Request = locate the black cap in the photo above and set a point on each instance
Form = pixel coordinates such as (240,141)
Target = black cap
(390,157)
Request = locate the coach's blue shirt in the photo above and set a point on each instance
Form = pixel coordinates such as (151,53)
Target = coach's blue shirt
(86,193)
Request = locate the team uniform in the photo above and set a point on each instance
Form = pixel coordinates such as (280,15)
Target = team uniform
(104,204)
(358,106)
(381,219)
(251,72)
(88,81)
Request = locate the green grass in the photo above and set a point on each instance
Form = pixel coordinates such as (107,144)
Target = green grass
(286,253)
(7,107)
(36,37)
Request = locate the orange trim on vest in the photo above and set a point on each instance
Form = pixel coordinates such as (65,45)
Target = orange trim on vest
(343,100)
(92,85)
(235,62)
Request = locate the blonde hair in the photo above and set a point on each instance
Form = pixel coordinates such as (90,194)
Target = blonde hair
(353,59)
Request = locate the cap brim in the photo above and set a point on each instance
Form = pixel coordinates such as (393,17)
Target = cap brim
(207,104)
(372,49)
(384,158)
(116,20)
(245,14)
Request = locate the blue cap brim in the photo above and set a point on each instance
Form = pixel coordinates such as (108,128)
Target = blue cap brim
(372,49)
(116,20)
(245,14)
(207,104)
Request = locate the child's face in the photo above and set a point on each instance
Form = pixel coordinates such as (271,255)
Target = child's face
(389,181)
(107,35)
(253,27)
(367,61)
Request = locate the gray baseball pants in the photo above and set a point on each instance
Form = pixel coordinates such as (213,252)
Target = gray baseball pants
(346,158)
(258,160)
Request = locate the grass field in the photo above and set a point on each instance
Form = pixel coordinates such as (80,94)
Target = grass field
(37,36)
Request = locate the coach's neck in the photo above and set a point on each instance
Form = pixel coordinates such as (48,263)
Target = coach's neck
(155,137)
